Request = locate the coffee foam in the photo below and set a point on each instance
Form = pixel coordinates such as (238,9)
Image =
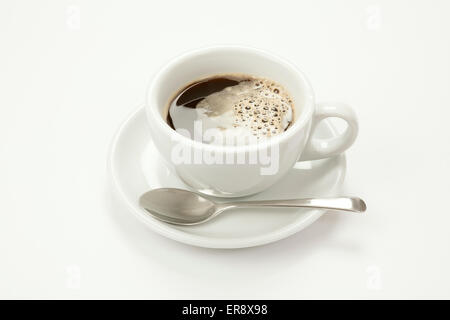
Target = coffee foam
(257,107)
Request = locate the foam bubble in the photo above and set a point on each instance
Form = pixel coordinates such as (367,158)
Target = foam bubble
(261,106)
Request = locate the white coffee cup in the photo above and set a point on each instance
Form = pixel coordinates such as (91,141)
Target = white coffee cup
(236,178)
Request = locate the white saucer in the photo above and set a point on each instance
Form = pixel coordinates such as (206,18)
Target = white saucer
(136,167)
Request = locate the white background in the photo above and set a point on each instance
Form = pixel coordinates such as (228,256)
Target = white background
(71,71)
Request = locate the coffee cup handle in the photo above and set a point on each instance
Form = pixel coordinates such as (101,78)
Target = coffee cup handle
(324,148)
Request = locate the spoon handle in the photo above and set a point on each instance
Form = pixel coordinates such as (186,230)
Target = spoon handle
(351,204)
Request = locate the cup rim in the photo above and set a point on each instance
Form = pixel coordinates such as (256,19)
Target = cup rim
(154,117)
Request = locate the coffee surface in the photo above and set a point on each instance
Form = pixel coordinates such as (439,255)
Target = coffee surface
(239,105)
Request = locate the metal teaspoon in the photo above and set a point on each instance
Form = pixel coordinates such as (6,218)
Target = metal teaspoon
(182,207)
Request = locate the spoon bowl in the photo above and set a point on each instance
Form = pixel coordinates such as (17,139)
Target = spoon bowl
(177,206)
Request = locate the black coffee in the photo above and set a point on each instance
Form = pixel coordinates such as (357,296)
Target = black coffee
(236,104)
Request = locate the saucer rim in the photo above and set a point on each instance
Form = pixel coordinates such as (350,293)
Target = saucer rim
(173,233)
